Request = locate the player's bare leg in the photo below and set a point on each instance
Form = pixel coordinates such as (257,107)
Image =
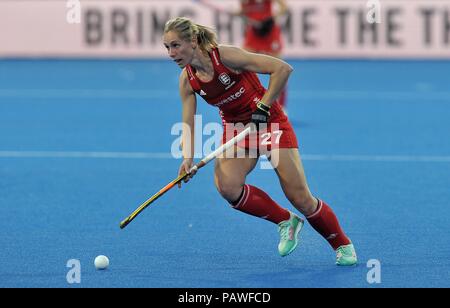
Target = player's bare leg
(230,174)
(289,169)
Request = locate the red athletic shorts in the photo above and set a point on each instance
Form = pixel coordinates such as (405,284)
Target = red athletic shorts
(271,43)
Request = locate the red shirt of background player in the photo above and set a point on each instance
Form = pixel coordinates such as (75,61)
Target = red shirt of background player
(261,11)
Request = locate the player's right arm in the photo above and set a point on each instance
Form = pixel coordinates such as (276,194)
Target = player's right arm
(189,108)
(282,8)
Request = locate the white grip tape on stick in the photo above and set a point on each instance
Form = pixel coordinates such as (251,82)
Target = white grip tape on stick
(227,145)
(222,148)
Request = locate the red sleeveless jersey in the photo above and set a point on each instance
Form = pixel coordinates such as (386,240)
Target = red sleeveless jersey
(257,9)
(236,96)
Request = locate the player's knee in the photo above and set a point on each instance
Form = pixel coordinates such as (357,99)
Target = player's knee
(229,191)
(303,201)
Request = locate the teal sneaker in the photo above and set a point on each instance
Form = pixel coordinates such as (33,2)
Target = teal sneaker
(289,230)
(346,255)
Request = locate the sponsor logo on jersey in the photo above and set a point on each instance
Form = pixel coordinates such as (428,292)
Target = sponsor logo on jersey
(232,97)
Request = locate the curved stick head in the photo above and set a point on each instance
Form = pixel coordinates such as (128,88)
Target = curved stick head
(125,222)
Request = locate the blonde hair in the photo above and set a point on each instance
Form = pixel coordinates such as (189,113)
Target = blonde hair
(188,30)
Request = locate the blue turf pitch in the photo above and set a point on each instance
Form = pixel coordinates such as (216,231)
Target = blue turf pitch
(83,143)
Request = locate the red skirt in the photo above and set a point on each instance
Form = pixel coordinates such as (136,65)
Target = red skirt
(277,134)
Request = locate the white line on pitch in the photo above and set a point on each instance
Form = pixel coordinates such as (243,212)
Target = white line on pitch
(163,155)
(74,154)
(378,158)
(161,94)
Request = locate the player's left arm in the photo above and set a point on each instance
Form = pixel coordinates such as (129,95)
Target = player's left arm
(240,60)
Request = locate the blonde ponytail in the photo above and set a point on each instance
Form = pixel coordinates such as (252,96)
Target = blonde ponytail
(188,30)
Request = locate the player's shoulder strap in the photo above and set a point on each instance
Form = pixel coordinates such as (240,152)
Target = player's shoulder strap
(217,62)
(192,79)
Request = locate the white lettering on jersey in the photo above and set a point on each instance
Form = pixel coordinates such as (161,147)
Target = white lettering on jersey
(231,97)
